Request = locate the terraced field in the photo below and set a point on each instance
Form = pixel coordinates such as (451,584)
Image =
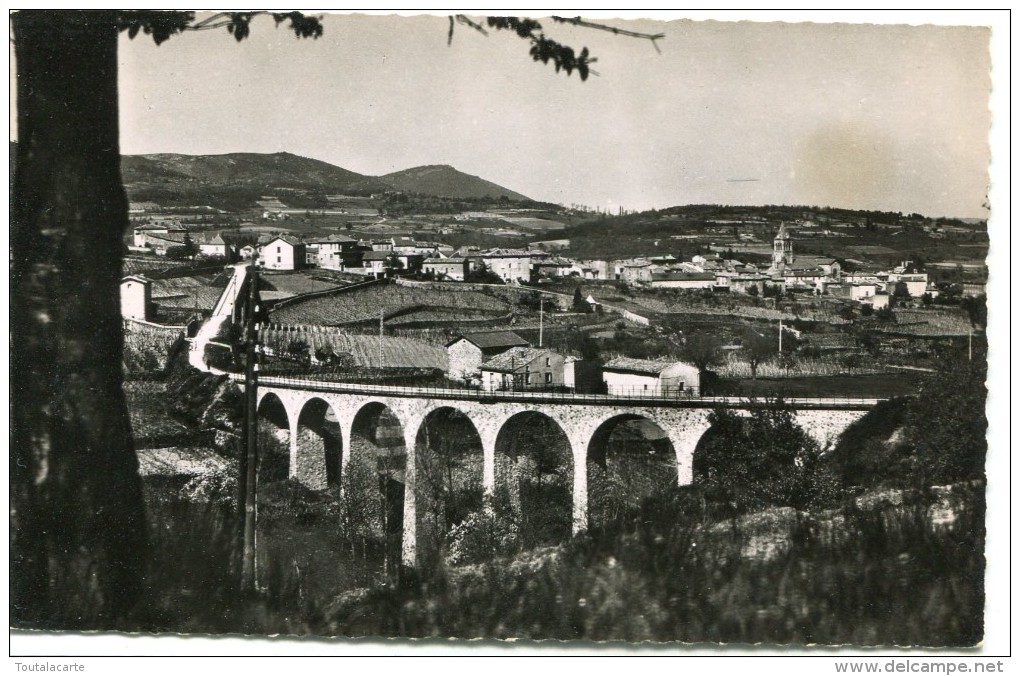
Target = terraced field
(366,350)
(929,323)
(365,304)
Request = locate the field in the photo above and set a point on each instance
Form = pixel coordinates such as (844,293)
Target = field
(367,350)
(365,305)
(296,283)
(941,322)
(872,385)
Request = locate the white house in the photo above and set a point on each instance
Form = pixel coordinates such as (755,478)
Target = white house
(213,246)
(135,297)
(283,253)
(647,377)
(511,265)
(522,368)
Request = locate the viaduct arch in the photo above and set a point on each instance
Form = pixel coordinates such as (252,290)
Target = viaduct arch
(330,427)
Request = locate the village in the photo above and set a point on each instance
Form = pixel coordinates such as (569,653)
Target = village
(475,303)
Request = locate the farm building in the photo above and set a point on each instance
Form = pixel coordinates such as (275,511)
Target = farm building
(283,253)
(522,368)
(135,297)
(467,352)
(447,268)
(660,377)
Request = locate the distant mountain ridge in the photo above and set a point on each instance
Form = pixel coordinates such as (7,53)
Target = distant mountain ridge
(270,172)
(445,181)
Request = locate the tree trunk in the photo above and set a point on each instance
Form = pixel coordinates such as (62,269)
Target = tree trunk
(77,540)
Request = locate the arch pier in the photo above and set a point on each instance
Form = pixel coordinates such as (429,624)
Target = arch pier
(450,452)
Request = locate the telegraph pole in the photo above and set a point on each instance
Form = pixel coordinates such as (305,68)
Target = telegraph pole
(250,459)
(541,317)
(380,337)
(780,336)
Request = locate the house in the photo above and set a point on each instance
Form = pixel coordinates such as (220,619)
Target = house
(142,233)
(878,301)
(136,297)
(467,352)
(636,272)
(916,283)
(510,265)
(859,291)
(377,263)
(744,283)
(408,263)
(283,253)
(311,255)
(522,368)
(160,242)
(447,268)
(653,378)
(246,252)
(213,245)
(329,249)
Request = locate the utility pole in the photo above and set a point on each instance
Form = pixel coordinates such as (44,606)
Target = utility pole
(970,344)
(250,459)
(541,317)
(380,337)
(780,336)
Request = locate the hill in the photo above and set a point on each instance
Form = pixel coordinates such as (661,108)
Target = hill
(237,180)
(264,170)
(443,180)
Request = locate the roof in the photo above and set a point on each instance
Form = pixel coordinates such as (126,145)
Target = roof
(651,367)
(136,278)
(508,253)
(335,239)
(293,241)
(782,234)
(445,261)
(377,255)
(682,277)
(489,339)
(514,359)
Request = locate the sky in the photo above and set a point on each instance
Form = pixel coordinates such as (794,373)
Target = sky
(890,117)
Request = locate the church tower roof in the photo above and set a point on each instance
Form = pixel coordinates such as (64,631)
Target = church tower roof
(782,234)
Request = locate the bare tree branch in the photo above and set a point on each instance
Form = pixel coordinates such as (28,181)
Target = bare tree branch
(578,21)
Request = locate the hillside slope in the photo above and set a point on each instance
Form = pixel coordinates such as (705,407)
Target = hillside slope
(445,181)
(264,171)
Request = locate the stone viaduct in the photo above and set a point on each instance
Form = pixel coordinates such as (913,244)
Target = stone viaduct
(302,407)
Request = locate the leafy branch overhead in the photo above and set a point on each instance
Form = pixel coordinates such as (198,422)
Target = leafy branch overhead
(164,24)
(545,49)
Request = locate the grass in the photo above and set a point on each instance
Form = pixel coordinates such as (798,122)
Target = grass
(876,385)
(871,573)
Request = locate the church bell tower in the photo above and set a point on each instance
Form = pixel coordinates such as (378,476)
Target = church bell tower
(782,249)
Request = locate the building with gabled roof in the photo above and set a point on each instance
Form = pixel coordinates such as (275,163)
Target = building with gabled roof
(467,352)
(283,252)
(136,297)
(651,377)
(522,368)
